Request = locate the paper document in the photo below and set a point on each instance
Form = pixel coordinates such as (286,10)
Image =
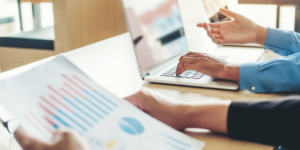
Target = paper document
(57,94)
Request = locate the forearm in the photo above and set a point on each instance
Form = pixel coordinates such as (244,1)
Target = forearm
(210,115)
(273,122)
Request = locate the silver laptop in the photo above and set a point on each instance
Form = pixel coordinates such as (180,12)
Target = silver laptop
(214,15)
(159,40)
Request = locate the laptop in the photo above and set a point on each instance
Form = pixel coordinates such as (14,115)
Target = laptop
(159,40)
(214,15)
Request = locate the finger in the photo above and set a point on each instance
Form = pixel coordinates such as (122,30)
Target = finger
(27,142)
(201,25)
(196,54)
(209,34)
(187,66)
(132,99)
(188,54)
(192,53)
(212,25)
(206,26)
(60,132)
(180,65)
(184,60)
(217,36)
(229,13)
(218,41)
(70,138)
(215,30)
(208,30)
(140,99)
(135,99)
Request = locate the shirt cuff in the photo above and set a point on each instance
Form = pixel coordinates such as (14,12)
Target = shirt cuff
(249,76)
(278,40)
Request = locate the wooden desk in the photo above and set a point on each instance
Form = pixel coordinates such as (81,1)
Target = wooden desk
(105,60)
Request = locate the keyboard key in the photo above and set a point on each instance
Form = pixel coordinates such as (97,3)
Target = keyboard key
(198,77)
(190,75)
(182,75)
(169,75)
(174,75)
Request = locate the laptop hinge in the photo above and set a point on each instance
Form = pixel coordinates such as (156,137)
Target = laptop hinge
(143,77)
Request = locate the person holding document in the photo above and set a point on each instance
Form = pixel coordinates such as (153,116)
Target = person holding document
(277,75)
(272,122)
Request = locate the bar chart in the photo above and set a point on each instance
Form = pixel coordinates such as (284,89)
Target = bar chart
(58,94)
(75,105)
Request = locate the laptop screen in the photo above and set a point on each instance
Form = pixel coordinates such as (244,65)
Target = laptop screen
(156,30)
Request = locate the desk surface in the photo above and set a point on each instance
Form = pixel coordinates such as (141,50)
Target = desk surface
(276,2)
(103,61)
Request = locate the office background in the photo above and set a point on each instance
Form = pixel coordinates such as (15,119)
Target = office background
(27,32)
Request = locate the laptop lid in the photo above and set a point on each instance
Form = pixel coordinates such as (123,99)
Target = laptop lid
(212,8)
(156,30)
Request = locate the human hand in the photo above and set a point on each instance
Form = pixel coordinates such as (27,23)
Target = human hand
(210,115)
(62,140)
(239,31)
(160,107)
(209,65)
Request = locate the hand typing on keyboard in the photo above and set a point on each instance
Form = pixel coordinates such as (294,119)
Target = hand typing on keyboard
(209,65)
(189,74)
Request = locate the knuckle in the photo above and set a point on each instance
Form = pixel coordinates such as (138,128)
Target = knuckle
(28,147)
(66,134)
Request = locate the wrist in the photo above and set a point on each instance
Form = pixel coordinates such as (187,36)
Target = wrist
(189,115)
(261,34)
(232,72)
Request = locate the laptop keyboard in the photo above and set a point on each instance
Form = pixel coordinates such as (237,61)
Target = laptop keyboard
(189,74)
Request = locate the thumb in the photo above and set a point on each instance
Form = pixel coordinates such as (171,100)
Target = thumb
(229,13)
(28,142)
(133,99)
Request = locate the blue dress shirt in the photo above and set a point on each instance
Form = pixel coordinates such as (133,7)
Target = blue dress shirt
(277,75)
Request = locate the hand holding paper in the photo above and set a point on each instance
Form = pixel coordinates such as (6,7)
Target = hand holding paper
(57,94)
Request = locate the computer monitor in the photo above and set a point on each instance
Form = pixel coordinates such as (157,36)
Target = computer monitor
(212,8)
(156,30)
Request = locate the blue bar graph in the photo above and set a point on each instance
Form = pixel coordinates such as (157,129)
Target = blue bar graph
(78,124)
(78,108)
(105,98)
(88,93)
(87,107)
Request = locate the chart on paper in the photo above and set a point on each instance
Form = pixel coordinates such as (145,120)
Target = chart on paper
(59,95)
(75,105)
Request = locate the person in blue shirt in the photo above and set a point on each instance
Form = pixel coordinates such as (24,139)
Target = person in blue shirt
(277,75)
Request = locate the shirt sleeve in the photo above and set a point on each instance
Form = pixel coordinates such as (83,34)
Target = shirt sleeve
(277,75)
(274,122)
(282,42)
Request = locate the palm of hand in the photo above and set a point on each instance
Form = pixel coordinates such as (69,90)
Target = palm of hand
(238,32)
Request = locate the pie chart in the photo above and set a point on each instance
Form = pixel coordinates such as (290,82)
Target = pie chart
(131,126)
